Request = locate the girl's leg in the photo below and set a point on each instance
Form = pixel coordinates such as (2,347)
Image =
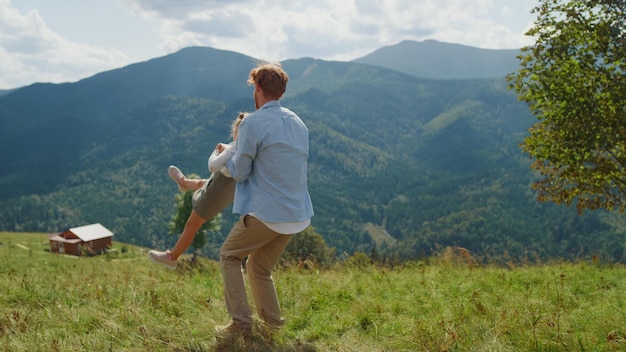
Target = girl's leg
(212,197)
(207,202)
(184,184)
(193,184)
(194,222)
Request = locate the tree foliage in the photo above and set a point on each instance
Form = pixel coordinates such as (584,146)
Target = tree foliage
(308,247)
(574,81)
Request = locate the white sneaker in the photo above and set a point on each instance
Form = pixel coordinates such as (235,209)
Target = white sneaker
(163,258)
(178,177)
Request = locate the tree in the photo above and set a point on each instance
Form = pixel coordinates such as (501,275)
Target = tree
(183,210)
(574,80)
(308,245)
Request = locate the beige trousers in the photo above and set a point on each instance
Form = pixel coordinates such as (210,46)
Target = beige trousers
(250,237)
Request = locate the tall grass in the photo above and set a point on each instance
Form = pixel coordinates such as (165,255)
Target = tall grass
(53,302)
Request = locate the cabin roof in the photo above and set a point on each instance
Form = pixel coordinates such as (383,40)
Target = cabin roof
(91,232)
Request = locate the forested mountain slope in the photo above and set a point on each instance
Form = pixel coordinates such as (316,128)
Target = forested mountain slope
(399,163)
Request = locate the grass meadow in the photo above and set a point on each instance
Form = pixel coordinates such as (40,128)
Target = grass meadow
(123,302)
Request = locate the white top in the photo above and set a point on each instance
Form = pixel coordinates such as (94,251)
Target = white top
(217,160)
(285,228)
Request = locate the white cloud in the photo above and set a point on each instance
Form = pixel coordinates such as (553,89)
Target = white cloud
(326,29)
(178,9)
(31,52)
(265,29)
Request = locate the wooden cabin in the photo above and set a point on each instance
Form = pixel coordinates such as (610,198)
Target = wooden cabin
(84,240)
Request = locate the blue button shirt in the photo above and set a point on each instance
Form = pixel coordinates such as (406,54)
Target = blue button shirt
(270,166)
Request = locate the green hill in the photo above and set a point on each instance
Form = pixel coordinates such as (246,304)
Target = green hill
(430,163)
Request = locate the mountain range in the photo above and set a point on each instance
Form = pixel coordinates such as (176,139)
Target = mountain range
(437,60)
(414,148)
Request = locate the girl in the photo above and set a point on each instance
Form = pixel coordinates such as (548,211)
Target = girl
(210,197)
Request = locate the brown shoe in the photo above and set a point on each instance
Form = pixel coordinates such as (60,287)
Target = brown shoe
(275,325)
(234,329)
(268,329)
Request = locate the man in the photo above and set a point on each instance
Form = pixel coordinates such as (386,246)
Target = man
(271,197)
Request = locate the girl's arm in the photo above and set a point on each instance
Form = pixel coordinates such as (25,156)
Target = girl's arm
(218,160)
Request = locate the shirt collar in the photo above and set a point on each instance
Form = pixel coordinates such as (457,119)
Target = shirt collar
(269,104)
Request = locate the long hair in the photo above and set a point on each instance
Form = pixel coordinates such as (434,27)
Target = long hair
(234,127)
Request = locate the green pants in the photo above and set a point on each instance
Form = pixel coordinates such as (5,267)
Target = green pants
(216,194)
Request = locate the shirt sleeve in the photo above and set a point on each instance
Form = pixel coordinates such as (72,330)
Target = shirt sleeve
(218,160)
(240,165)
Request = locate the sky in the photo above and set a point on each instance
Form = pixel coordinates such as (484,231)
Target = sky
(68,40)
